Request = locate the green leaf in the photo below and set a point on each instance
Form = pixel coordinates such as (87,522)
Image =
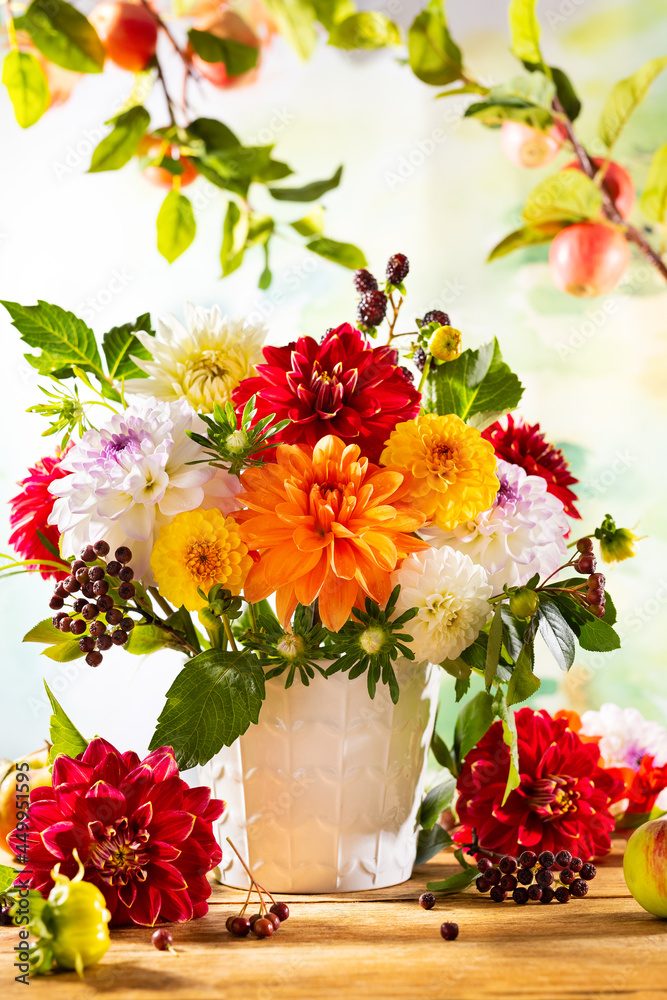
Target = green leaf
(598,637)
(234,169)
(625,97)
(494,113)
(63,734)
(120,342)
(260,229)
(44,632)
(476,382)
(63,35)
(472,723)
(532,88)
(369,29)
(525,31)
(63,338)
(435,801)
(148,639)
(295,20)
(568,196)
(434,57)
(309,192)
(64,652)
(311,224)
(493,647)
(345,254)
(511,739)
(237,57)
(455,883)
(118,148)
(176,226)
(215,136)
(653,201)
(467,88)
(528,236)
(330,12)
(609,615)
(440,751)
(566,93)
(27,85)
(214,699)
(234,233)
(430,842)
(7,876)
(523,682)
(557,634)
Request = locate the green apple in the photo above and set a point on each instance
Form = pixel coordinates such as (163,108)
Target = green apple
(645,866)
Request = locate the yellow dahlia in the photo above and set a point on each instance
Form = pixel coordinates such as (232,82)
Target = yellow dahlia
(199,548)
(203,361)
(452,466)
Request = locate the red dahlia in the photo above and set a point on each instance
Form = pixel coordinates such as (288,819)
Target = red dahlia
(561,804)
(143,835)
(342,386)
(525,445)
(646,785)
(30,514)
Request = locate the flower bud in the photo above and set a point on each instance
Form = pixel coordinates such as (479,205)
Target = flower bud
(208,619)
(78,920)
(618,545)
(291,646)
(524,603)
(237,442)
(372,639)
(445,343)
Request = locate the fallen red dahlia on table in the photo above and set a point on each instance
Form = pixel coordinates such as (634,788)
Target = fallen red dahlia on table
(561,803)
(143,835)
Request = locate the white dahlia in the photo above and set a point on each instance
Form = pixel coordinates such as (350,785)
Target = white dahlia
(451,596)
(133,476)
(522,533)
(202,362)
(626,736)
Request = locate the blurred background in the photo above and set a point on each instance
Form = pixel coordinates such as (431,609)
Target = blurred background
(417,179)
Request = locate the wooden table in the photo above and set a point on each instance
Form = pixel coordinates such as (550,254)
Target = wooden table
(380,945)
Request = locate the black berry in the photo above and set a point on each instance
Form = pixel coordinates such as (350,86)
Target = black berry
(79,605)
(71,585)
(547,894)
(97,629)
(100,588)
(567,876)
(543,876)
(90,611)
(585,564)
(372,308)
(119,638)
(397,268)
(275,920)
(535,893)
(497,894)
(82,575)
(576,864)
(56,602)
(126,591)
(588,872)
(105,603)
(94,659)
(65,624)
(436,316)
(104,642)
(114,568)
(240,927)
(77,564)
(547,859)
(482,884)
(419,358)
(524,876)
(60,591)
(114,615)
(87,590)
(449,931)
(528,859)
(562,894)
(364,281)
(161,938)
(508,883)
(126,574)
(427,900)
(579,888)
(127,624)
(563,858)
(484,865)
(101,548)
(123,554)
(56,620)
(86,644)
(95,573)
(88,554)
(493,876)
(520,895)
(78,627)
(507,865)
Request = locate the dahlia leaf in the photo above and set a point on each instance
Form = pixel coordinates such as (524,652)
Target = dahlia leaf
(525,31)
(430,842)
(176,226)
(455,883)
(214,699)
(556,633)
(369,29)
(120,342)
(65,737)
(625,97)
(26,83)
(119,146)
(472,723)
(64,35)
(523,682)
(435,801)
(476,382)
(345,254)
(493,647)
(433,55)
(309,192)
(63,338)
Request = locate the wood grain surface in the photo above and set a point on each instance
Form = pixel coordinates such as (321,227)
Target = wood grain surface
(379,945)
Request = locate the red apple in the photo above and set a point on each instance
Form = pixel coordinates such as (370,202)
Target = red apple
(645,866)
(128,32)
(618,182)
(225,24)
(150,148)
(15,787)
(527,146)
(588,259)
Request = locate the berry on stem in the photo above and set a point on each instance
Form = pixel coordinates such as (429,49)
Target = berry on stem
(535,893)
(576,864)
(498,894)
(547,859)
(579,888)
(525,876)
(528,859)
(507,865)
(162,939)
(520,895)
(263,928)
(282,909)
(372,308)
(484,865)
(547,894)
(239,927)
(567,876)
(588,871)
(562,894)
(436,316)
(398,267)
(364,281)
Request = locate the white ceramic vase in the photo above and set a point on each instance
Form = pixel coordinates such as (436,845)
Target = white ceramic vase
(322,795)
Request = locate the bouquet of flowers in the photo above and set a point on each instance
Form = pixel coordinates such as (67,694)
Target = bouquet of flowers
(331,505)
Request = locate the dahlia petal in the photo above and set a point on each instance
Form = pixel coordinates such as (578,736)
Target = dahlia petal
(336,601)
(176,907)
(97,752)
(172,826)
(166,877)
(145,909)
(43,813)
(163,763)
(62,838)
(286,602)
(68,771)
(128,893)
(308,539)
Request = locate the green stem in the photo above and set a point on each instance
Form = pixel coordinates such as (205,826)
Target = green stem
(253,616)
(427,365)
(159,599)
(229,633)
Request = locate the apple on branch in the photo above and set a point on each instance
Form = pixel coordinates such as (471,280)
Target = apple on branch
(588,259)
(645,866)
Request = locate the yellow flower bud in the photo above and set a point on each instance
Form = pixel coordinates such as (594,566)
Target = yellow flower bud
(619,545)
(445,343)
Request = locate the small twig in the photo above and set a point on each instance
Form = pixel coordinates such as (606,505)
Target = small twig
(395,310)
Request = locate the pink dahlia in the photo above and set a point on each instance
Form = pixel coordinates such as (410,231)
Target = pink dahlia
(562,802)
(525,445)
(30,514)
(342,386)
(144,836)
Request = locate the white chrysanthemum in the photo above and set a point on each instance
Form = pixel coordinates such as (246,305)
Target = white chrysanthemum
(523,533)
(451,596)
(626,736)
(202,362)
(133,476)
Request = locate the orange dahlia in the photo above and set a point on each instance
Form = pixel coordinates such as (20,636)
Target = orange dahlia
(326,523)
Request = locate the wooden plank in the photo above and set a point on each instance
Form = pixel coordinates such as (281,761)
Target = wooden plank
(604,946)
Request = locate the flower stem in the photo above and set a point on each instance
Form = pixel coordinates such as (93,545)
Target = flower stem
(229,633)
(159,599)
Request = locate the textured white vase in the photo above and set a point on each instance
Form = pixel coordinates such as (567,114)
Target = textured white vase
(322,795)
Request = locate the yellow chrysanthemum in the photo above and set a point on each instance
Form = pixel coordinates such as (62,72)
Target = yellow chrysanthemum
(453,467)
(198,549)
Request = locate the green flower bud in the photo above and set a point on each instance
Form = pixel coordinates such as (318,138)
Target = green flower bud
(78,921)
(208,619)
(237,442)
(372,639)
(291,646)
(618,545)
(524,603)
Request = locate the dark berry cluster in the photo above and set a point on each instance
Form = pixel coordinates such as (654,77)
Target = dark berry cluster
(585,564)
(262,925)
(94,617)
(530,877)
(373,303)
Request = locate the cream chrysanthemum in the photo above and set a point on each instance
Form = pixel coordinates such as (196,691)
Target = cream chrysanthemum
(451,596)
(198,549)
(452,466)
(202,362)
